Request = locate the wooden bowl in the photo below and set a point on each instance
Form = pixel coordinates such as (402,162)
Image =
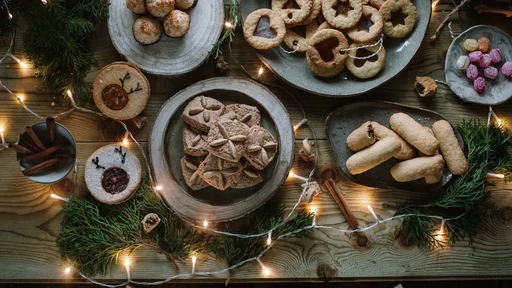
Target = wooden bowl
(166,150)
(341,122)
(169,56)
(294,69)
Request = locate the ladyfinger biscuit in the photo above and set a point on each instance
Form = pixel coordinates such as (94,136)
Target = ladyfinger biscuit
(373,156)
(429,130)
(434,178)
(417,168)
(362,137)
(450,148)
(406,152)
(414,133)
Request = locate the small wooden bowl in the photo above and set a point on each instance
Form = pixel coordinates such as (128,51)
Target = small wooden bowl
(166,150)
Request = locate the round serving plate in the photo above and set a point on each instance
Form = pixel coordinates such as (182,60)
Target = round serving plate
(169,56)
(498,90)
(166,150)
(294,69)
(341,122)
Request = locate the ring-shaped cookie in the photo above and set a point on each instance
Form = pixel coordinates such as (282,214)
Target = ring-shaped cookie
(296,42)
(316,9)
(399,30)
(291,16)
(369,69)
(375,30)
(341,21)
(275,23)
(326,67)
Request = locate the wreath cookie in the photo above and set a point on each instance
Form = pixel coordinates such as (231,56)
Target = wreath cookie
(275,23)
(326,61)
(399,30)
(343,20)
(293,16)
(357,34)
(369,68)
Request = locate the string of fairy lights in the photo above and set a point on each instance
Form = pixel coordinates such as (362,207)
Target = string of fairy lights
(270,239)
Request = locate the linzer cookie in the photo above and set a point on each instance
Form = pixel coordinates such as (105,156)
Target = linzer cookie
(190,171)
(195,142)
(349,16)
(359,33)
(121,91)
(112,174)
(202,111)
(246,114)
(400,30)
(227,139)
(261,147)
(249,177)
(220,173)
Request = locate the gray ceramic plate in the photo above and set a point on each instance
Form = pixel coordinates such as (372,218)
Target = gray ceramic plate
(344,120)
(166,150)
(294,69)
(497,91)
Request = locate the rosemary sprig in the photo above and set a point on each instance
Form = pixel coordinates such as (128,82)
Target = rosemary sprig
(229,31)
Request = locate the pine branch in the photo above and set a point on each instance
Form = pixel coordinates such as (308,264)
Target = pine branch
(229,32)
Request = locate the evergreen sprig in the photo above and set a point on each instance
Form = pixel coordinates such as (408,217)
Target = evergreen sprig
(229,32)
(465,199)
(93,235)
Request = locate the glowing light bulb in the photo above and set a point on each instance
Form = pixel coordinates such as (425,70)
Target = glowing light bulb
(127,262)
(20,97)
(295,176)
(228,25)
(44,2)
(269,239)
(24,65)
(159,188)
(67,270)
(373,214)
(260,72)
(70,95)
(9,15)
(125,141)
(302,122)
(266,271)
(313,209)
(194,259)
(2,129)
(434,4)
(205,224)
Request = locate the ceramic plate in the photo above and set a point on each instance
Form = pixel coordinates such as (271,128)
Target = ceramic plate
(166,150)
(169,56)
(344,120)
(497,91)
(294,69)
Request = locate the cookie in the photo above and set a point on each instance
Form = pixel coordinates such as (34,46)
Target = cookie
(450,147)
(275,23)
(323,54)
(249,177)
(294,41)
(249,115)
(377,3)
(399,30)
(176,24)
(185,4)
(227,139)
(121,91)
(415,134)
(368,68)
(293,16)
(220,173)
(194,142)
(112,174)
(261,147)
(359,33)
(159,8)
(190,171)
(201,112)
(340,14)
(425,86)
(147,30)
(136,6)
(316,10)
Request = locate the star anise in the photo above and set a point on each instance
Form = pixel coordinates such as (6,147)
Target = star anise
(261,146)
(221,173)
(225,139)
(204,108)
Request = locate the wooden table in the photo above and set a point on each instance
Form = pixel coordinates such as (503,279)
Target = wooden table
(30,219)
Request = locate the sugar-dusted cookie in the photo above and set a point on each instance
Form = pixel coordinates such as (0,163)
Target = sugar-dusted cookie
(398,30)
(247,114)
(342,14)
(112,174)
(275,23)
(293,16)
(201,112)
(227,139)
(369,68)
(195,142)
(359,33)
(190,171)
(249,177)
(323,54)
(261,147)
(220,173)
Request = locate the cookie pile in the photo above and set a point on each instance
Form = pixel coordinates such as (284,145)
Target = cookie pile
(375,144)
(327,24)
(225,145)
(147,29)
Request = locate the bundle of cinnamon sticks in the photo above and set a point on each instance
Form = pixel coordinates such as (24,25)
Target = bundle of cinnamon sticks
(40,155)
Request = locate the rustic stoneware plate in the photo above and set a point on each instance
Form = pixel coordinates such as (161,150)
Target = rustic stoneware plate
(166,150)
(341,122)
(497,91)
(169,56)
(294,69)
(65,165)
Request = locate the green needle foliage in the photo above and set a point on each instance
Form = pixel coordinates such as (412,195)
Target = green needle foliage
(93,235)
(56,39)
(229,32)
(235,249)
(465,199)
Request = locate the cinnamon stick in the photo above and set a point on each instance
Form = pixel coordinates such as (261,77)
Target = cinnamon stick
(19,148)
(27,144)
(40,166)
(44,153)
(51,126)
(342,204)
(34,138)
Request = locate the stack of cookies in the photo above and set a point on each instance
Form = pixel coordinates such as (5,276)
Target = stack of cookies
(225,145)
(332,31)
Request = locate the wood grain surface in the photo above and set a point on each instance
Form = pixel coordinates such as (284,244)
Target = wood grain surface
(30,218)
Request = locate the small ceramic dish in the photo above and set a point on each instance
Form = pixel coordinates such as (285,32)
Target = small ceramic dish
(498,90)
